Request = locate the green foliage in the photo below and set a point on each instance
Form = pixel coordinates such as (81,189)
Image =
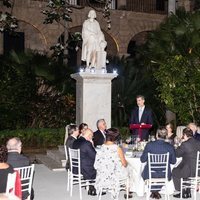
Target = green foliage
(124,133)
(37,138)
(173,53)
(8,22)
(17,88)
(57,10)
(35,92)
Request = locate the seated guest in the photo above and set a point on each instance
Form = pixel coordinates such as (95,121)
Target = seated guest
(100,135)
(73,133)
(16,159)
(188,151)
(193,127)
(110,164)
(82,127)
(5,168)
(170,135)
(158,147)
(87,157)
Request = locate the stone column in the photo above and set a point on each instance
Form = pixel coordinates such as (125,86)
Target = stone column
(93,97)
(171,7)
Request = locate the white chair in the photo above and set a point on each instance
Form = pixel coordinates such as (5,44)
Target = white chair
(192,182)
(157,162)
(68,171)
(74,157)
(123,185)
(10,187)
(26,176)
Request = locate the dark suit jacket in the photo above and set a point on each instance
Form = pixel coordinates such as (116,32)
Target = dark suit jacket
(158,147)
(17,160)
(98,138)
(87,156)
(145,118)
(188,152)
(69,144)
(197,136)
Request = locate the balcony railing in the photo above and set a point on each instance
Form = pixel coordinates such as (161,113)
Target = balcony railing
(148,6)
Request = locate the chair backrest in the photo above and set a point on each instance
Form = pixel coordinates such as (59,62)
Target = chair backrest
(66,155)
(74,159)
(10,187)
(26,175)
(158,165)
(198,164)
(66,134)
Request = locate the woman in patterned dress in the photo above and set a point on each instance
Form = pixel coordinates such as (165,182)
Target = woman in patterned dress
(110,164)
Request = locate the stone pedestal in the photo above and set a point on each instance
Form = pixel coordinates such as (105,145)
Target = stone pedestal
(93,97)
(171,7)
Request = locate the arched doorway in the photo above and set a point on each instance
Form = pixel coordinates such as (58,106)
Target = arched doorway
(138,40)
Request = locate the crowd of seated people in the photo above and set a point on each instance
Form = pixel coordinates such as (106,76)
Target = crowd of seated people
(107,164)
(11,157)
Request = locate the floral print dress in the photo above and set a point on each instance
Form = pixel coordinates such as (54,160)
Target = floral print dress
(109,170)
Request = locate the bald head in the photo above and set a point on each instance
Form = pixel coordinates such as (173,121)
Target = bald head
(14,144)
(88,134)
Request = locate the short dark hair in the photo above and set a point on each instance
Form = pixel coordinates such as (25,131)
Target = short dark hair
(188,132)
(162,132)
(81,126)
(140,96)
(71,128)
(112,134)
(3,154)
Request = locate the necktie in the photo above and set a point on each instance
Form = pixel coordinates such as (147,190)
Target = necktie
(140,114)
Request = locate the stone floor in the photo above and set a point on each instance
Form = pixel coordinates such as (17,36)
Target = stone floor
(52,185)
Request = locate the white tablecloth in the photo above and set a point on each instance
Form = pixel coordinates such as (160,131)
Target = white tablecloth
(137,184)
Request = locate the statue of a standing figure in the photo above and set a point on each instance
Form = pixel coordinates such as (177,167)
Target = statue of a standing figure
(93,42)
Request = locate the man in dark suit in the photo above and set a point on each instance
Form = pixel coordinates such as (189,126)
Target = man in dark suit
(72,132)
(141,115)
(188,151)
(16,159)
(193,127)
(158,147)
(87,157)
(100,135)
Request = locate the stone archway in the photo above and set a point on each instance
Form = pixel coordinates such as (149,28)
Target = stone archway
(137,40)
(34,39)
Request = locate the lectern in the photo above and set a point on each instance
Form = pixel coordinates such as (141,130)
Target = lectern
(140,127)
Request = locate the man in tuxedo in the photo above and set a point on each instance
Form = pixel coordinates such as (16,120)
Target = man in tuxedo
(16,159)
(100,135)
(188,151)
(141,115)
(87,157)
(158,147)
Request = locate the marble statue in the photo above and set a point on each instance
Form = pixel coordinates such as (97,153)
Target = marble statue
(93,47)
